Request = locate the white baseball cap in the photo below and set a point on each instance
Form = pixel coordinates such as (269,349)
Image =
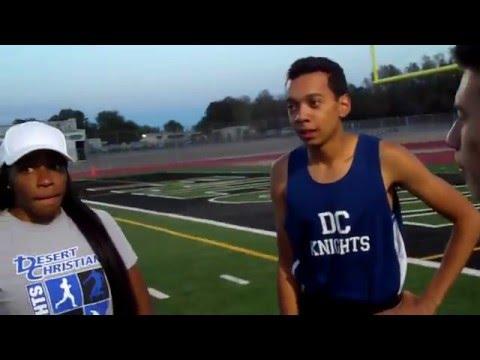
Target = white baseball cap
(29,136)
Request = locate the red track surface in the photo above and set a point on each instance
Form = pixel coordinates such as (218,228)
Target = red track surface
(429,158)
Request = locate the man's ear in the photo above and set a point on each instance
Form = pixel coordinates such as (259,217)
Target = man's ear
(345,105)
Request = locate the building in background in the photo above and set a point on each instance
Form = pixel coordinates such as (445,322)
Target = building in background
(75,137)
(231,133)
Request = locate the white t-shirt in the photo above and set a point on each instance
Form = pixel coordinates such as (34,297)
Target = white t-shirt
(52,270)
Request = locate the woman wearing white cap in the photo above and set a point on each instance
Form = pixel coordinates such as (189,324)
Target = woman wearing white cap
(58,256)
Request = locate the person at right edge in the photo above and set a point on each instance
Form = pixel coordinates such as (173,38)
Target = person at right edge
(464,136)
(337,212)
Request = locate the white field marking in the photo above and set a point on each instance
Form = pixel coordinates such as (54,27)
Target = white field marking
(272,234)
(243,172)
(215,188)
(427,209)
(150,195)
(227,183)
(214,200)
(415,198)
(217,183)
(132,182)
(410,202)
(257,187)
(117,187)
(430,226)
(189,218)
(225,187)
(157,294)
(184,194)
(161,196)
(416,211)
(455,186)
(436,265)
(429,213)
(181,197)
(221,199)
(234,279)
(129,191)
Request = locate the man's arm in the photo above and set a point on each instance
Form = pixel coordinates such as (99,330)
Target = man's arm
(286,286)
(401,167)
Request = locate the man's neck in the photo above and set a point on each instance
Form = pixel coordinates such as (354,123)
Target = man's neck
(332,150)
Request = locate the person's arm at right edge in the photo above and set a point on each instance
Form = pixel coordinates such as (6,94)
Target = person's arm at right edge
(287,290)
(140,291)
(405,169)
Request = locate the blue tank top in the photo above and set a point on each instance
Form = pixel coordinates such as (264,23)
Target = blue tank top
(346,240)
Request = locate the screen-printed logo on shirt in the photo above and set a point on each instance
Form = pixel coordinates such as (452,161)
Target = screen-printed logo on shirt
(39,267)
(81,293)
(336,239)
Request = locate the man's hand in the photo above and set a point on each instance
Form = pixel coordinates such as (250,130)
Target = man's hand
(411,304)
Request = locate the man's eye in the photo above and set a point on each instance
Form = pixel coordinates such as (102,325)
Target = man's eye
(27,169)
(59,167)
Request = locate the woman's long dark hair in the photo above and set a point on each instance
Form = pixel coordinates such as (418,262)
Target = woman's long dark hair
(98,238)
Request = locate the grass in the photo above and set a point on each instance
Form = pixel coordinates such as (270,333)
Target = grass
(189,270)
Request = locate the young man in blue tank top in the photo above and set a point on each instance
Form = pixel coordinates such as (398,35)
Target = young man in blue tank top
(337,213)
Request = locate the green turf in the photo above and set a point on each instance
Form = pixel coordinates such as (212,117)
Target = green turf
(230,171)
(250,197)
(411,203)
(438,169)
(428,218)
(238,188)
(262,243)
(463,298)
(444,169)
(201,187)
(188,271)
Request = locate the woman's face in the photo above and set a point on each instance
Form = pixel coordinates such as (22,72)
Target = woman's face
(39,181)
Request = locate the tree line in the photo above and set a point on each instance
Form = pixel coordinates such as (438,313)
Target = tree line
(420,95)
